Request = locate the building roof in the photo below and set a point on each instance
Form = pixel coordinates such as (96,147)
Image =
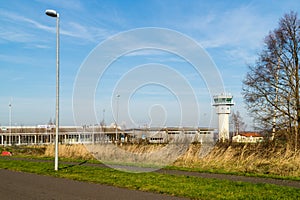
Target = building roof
(251,134)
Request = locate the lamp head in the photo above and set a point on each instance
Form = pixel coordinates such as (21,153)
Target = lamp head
(51,13)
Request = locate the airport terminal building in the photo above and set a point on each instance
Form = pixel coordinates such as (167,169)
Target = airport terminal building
(45,134)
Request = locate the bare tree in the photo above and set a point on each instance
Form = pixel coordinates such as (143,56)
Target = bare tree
(50,122)
(271,87)
(238,123)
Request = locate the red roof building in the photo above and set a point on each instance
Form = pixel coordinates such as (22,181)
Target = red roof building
(248,137)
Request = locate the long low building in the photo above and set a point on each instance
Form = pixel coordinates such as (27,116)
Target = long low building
(170,134)
(45,134)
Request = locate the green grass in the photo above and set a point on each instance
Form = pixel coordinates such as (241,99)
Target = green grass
(186,186)
(220,171)
(171,167)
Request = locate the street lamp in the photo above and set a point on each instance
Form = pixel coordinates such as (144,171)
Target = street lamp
(118,97)
(53,13)
(10,138)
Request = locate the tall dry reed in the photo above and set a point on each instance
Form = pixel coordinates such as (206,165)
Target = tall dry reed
(244,158)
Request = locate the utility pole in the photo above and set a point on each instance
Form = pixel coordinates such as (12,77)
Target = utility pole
(118,97)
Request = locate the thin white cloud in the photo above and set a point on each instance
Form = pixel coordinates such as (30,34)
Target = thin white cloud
(71,29)
(14,36)
(87,33)
(241,27)
(156,56)
(241,56)
(145,52)
(17,78)
(17,29)
(16,17)
(238,27)
(72,5)
(40,46)
(12,59)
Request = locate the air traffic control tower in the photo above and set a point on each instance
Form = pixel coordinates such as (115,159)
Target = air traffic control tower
(223,103)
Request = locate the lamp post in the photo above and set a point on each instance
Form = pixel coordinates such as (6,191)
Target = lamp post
(53,13)
(118,97)
(10,138)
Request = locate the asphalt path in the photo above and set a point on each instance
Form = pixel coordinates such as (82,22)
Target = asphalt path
(27,186)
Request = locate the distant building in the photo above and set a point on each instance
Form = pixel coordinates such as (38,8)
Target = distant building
(171,134)
(45,134)
(248,137)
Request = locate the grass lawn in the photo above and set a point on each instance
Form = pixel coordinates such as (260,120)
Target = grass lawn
(186,186)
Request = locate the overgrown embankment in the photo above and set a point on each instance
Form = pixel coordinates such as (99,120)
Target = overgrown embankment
(244,158)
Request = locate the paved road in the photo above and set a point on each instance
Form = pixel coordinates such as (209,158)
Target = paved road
(26,186)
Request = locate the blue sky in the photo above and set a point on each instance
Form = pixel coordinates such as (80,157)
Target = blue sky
(231,32)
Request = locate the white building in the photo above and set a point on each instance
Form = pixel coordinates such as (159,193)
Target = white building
(248,137)
(223,103)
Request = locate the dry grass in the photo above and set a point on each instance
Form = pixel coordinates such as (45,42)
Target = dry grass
(146,155)
(77,151)
(244,158)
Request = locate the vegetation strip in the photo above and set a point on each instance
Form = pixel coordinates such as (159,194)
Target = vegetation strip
(176,171)
(177,185)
